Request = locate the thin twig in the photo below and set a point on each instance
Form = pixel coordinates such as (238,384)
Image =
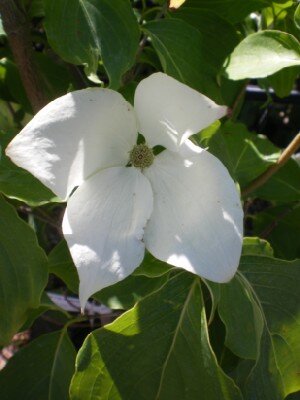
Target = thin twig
(264,177)
(18,32)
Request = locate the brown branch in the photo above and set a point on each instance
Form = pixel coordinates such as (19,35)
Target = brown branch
(263,178)
(18,32)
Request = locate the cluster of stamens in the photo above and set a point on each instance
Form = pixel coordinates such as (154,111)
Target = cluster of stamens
(141,156)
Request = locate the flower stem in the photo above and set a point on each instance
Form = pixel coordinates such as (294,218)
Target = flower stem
(264,177)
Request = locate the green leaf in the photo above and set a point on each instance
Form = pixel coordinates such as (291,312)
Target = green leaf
(220,36)
(83,30)
(254,246)
(247,316)
(150,276)
(283,186)
(196,65)
(158,350)
(297,17)
(7,120)
(274,285)
(13,83)
(61,264)
(149,56)
(23,271)
(36,9)
(17,183)
(128,91)
(56,77)
(275,16)
(262,54)
(245,154)
(262,385)
(41,370)
(151,267)
(46,305)
(283,81)
(281,226)
(232,10)
(124,294)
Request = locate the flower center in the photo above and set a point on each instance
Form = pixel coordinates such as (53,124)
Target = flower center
(141,156)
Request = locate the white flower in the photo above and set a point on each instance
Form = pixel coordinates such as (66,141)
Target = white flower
(184,207)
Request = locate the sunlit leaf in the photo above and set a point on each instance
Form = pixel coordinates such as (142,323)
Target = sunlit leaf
(158,350)
(262,54)
(254,246)
(82,31)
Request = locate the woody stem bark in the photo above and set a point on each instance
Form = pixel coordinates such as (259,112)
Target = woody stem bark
(16,26)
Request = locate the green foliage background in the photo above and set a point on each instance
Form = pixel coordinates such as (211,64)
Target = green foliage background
(180,337)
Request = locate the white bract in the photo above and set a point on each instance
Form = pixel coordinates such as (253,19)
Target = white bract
(184,207)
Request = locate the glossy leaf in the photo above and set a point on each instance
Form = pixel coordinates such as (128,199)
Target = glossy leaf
(195,65)
(117,362)
(274,285)
(83,31)
(40,371)
(220,36)
(283,81)
(232,10)
(23,271)
(260,309)
(262,54)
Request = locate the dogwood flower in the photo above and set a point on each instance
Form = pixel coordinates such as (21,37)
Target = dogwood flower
(181,205)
